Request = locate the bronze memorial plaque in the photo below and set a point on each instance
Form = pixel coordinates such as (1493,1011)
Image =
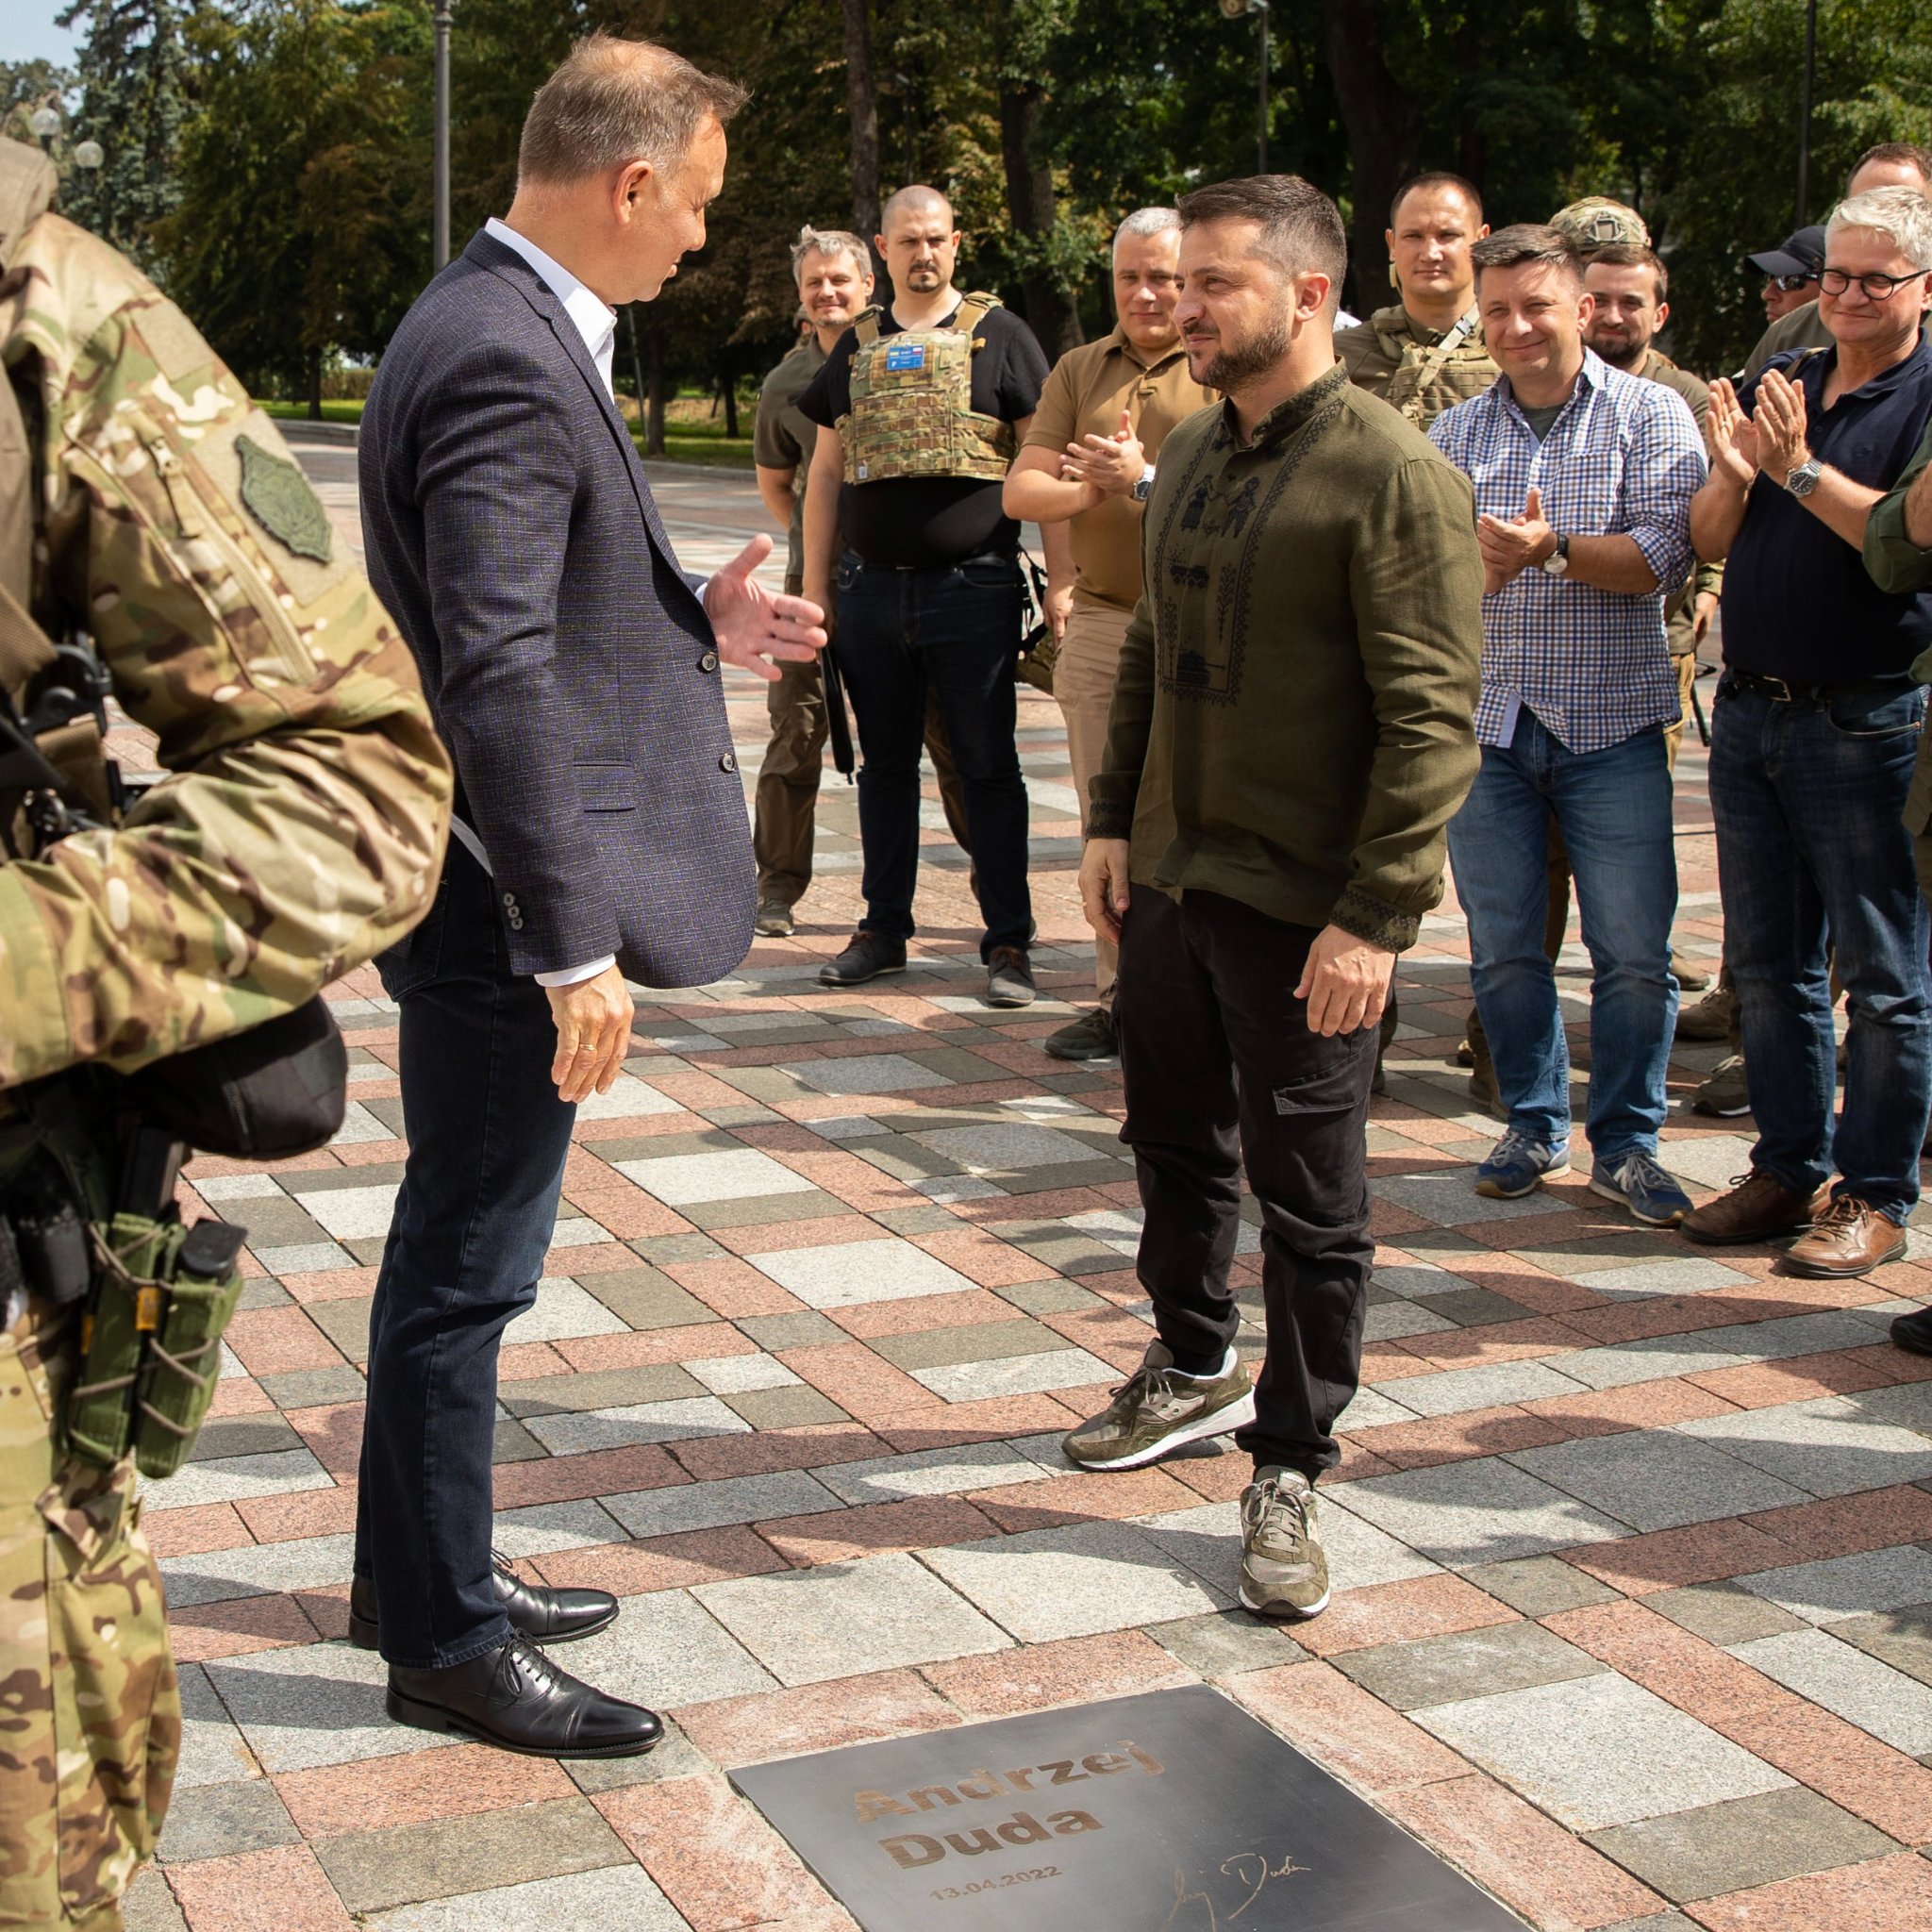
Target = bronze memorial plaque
(1172,1812)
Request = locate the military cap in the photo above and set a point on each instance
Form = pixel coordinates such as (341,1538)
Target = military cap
(1597,222)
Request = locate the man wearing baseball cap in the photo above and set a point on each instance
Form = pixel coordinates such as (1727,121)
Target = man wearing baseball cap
(1791,272)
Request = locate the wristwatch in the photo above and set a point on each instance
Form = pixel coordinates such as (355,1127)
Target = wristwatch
(1803,480)
(1144,486)
(1556,563)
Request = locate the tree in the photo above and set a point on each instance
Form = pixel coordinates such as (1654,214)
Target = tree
(862,111)
(1050,255)
(134,73)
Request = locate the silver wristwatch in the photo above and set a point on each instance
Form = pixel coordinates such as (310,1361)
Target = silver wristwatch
(1144,489)
(1803,479)
(1556,563)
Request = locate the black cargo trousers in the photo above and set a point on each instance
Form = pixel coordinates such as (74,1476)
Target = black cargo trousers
(1221,1068)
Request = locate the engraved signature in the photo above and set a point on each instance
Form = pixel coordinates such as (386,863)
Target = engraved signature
(1250,1869)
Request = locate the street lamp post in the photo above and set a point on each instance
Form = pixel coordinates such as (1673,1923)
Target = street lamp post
(442,216)
(1235,9)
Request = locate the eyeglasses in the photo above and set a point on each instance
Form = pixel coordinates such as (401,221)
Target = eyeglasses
(1789,283)
(1835,281)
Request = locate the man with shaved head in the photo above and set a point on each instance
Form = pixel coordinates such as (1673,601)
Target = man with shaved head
(921,405)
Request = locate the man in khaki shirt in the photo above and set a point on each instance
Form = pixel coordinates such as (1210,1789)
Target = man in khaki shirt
(1083,476)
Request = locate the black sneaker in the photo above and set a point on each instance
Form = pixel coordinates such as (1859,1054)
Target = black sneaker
(866,957)
(1091,1036)
(1009,979)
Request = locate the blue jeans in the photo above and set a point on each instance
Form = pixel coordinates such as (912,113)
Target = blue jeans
(1613,808)
(1807,798)
(956,629)
(488,1137)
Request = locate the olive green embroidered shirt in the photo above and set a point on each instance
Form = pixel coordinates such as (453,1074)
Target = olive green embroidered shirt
(1291,726)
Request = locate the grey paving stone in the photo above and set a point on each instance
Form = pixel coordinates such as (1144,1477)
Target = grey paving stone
(345,1323)
(312,1388)
(765,1210)
(1227,1643)
(627,1099)
(848,1273)
(1741,1843)
(1478,1308)
(1011,1148)
(1454,1391)
(867,1072)
(1657,1479)
(563,1311)
(359,1212)
(1027,1374)
(1658,1922)
(1485,1510)
(1621,1363)
(973,1341)
(807,1328)
(680,1506)
(736,1374)
(1599,1751)
(225,1436)
(665,1651)
(617,1896)
(594,1388)
(1827,1446)
(540,1528)
(212,1749)
(1541,1586)
(1724,1613)
(1848,1585)
(257,1569)
(242,1478)
(660,1248)
(322,1704)
(1690,1274)
(674,1756)
(785,1409)
(932,1473)
(1900,1638)
(1450,1200)
(512,1442)
(1049,1298)
(263,1292)
(1466,1663)
(1077,1580)
(1391,1319)
(1850,1682)
(647,1421)
(1369,1408)
(373,1869)
(149,1906)
(212,1821)
(915,1221)
(840,1620)
(645,1298)
(683,1180)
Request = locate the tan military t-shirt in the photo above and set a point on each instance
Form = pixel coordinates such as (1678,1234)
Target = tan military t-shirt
(1084,396)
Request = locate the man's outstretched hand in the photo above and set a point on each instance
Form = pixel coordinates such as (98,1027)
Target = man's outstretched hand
(751,625)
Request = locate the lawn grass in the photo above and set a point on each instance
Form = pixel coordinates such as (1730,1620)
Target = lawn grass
(333,410)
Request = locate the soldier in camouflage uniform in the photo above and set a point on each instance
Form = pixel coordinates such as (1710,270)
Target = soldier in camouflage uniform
(1425,353)
(300,831)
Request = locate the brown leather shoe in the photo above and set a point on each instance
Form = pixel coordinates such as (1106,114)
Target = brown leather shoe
(1851,1237)
(1758,1209)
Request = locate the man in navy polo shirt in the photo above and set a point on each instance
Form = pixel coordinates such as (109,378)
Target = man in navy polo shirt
(1815,729)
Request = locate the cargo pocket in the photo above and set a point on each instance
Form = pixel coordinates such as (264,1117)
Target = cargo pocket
(116,1706)
(1333,1078)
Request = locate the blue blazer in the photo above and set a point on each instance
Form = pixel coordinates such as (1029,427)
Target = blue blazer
(571,667)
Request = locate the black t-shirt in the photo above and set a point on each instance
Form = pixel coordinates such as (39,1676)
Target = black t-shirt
(917,522)
(1797,603)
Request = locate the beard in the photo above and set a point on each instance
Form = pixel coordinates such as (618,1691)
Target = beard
(1237,364)
(1625,353)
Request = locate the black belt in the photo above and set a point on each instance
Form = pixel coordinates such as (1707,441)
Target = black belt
(1011,557)
(1781,690)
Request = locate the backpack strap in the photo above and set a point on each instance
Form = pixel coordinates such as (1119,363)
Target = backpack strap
(973,310)
(867,327)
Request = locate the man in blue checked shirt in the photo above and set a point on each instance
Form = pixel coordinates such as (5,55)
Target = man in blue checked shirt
(1583,477)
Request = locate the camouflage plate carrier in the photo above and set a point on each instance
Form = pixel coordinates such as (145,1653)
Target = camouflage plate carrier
(912,412)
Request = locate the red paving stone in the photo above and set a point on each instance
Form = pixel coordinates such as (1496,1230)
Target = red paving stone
(237,1629)
(1886,1895)
(1345,1729)
(842,1536)
(663,1562)
(461,1781)
(816,1717)
(1074,1670)
(232,1894)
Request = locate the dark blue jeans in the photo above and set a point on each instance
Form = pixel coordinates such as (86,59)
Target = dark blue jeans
(1613,808)
(956,630)
(1808,800)
(488,1137)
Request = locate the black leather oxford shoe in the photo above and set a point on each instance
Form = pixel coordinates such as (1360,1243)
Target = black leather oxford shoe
(544,1615)
(1914,1331)
(515,1698)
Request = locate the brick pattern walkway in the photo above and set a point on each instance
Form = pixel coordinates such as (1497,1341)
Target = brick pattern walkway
(1632,1542)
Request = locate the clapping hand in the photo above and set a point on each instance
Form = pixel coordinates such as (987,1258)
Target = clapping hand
(1734,438)
(751,625)
(1510,547)
(1109,465)
(1780,425)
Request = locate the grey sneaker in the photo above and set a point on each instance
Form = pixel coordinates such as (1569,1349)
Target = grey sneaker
(774,921)
(1157,1409)
(1723,1092)
(1284,1571)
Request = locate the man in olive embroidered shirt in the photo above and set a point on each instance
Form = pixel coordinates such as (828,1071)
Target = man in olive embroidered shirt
(1290,737)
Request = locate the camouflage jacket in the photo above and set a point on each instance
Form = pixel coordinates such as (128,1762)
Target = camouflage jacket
(301,829)
(1390,357)
(1680,608)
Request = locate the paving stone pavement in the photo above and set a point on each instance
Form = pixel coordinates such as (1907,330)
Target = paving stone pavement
(1632,1545)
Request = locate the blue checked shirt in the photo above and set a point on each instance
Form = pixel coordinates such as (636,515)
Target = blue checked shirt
(1623,459)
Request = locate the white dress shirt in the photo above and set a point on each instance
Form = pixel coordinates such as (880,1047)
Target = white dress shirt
(596,322)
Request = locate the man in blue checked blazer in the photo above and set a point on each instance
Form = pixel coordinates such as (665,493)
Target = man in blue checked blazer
(601,835)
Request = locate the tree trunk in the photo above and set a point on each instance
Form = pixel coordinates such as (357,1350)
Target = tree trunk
(1385,135)
(1052,313)
(728,383)
(315,385)
(862,109)
(637,361)
(653,411)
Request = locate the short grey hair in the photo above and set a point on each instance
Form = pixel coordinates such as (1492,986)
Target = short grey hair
(828,241)
(1901,214)
(613,102)
(1148,221)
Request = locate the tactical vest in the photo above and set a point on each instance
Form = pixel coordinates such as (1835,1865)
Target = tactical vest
(912,412)
(1461,362)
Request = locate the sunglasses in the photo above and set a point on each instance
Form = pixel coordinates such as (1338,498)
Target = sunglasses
(1789,283)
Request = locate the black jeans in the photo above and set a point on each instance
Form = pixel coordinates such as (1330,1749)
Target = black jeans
(956,629)
(1221,1068)
(488,1137)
